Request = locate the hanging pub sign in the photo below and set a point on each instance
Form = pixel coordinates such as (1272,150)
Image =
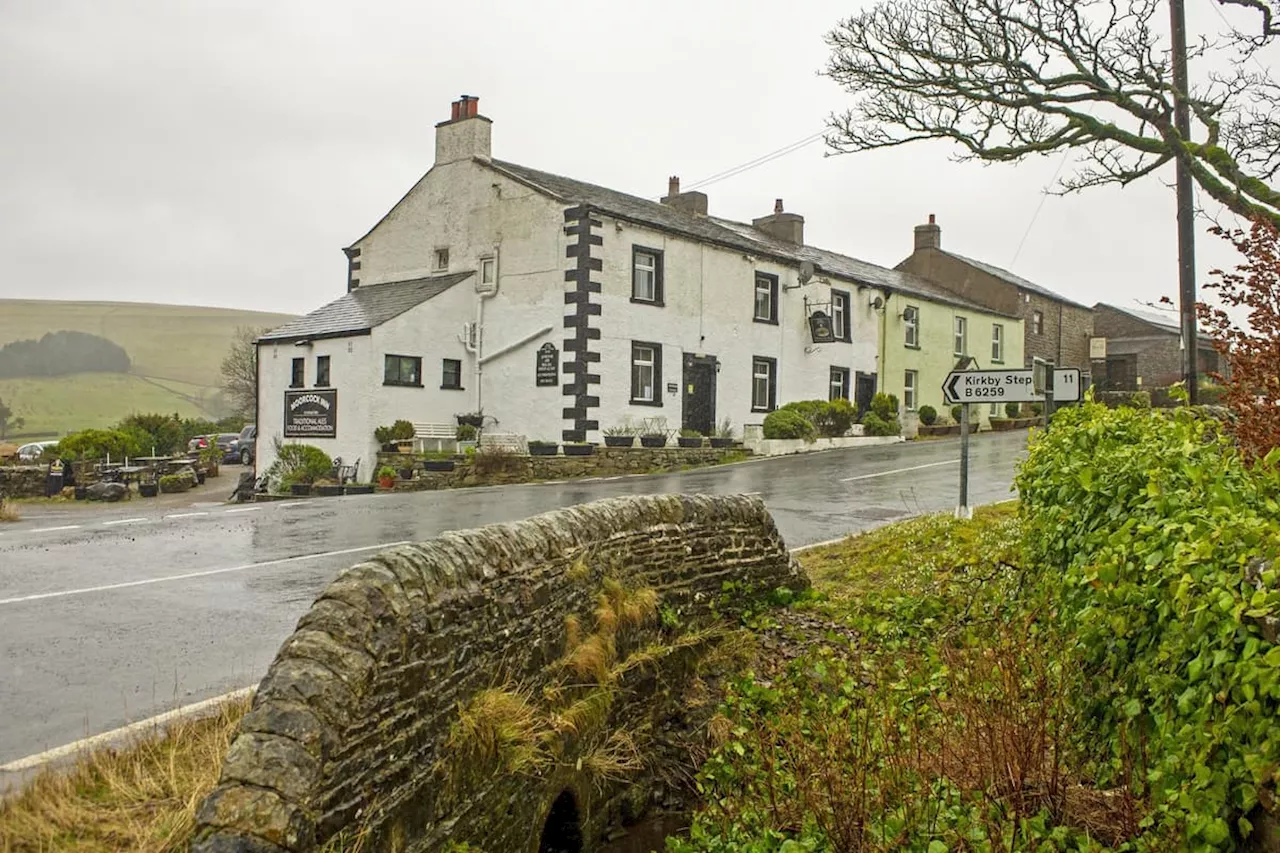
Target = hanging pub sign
(311,414)
(547,368)
(820,328)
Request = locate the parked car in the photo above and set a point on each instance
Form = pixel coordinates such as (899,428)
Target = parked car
(247,444)
(31,452)
(224,440)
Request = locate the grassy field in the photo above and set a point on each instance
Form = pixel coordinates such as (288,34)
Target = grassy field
(175,350)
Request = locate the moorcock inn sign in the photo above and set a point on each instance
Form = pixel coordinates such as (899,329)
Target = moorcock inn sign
(311,414)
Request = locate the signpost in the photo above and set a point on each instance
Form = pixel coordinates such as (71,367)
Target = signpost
(1041,384)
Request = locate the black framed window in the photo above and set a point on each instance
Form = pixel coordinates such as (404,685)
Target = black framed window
(322,371)
(402,370)
(766,296)
(911,325)
(451,374)
(839,384)
(764,384)
(442,259)
(840,316)
(299,375)
(646,373)
(646,275)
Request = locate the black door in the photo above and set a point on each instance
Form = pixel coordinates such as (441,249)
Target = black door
(864,388)
(699,393)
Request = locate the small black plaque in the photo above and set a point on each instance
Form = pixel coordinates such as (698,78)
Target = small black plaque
(547,368)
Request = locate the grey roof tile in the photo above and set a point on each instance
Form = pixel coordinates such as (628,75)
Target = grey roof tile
(736,235)
(1162,323)
(364,308)
(1016,280)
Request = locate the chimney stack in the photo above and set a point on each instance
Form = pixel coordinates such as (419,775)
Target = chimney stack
(787,227)
(691,202)
(465,135)
(929,236)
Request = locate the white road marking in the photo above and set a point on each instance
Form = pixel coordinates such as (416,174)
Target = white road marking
(244,509)
(53,529)
(107,738)
(186,514)
(290,503)
(900,470)
(201,574)
(819,544)
(122,521)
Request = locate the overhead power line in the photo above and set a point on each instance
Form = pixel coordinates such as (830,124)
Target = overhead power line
(734,171)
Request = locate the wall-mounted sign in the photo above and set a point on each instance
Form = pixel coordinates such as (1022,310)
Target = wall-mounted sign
(547,368)
(1097,349)
(672,388)
(311,414)
(820,328)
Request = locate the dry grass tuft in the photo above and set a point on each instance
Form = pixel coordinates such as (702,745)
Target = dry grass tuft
(8,510)
(614,758)
(579,571)
(589,713)
(142,797)
(502,724)
(572,633)
(593,657)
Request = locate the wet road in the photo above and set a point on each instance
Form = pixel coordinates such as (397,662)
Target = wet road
(121,614)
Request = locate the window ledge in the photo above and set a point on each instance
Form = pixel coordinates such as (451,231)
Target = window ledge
(766,322)
(297,386)
(656,303)
(451,388)
(911,346)
(403,384)
(647,403)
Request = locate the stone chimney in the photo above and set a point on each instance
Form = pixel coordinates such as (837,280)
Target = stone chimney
(465,135)
(787,227)
(929,236)
(691,202)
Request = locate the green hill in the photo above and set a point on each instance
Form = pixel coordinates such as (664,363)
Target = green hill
(175,351)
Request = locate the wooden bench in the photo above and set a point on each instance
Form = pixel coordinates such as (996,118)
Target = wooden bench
(439,433)
(509,442)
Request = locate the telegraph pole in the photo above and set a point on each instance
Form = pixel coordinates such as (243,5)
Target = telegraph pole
(1186,201)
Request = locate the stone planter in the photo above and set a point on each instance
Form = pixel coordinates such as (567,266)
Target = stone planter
(357,490)
(1004,424)
(689,441)
(438,465)
(721,443)
(327,490)
(653,441)
(543,449)
(940,429)
(300,490)
(579,449)
(619,441)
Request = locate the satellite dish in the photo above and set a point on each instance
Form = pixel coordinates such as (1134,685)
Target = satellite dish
(806,271)
(877,303)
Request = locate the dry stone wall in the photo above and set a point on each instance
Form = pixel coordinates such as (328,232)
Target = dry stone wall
(352,725)
(22,481)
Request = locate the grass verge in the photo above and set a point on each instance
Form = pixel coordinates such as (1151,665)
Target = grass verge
(8,512)
(140,797)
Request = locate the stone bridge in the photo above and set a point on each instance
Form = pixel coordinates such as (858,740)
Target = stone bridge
(520,688)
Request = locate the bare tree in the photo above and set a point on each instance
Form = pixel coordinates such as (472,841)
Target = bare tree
(1266,10)
(240,372)
(1007,79)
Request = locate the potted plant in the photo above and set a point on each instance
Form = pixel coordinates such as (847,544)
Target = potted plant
(619,436)
(690,438)
(653,439)
(386,477)
(146,488)
(326,488)
(578,448)
(543,448)
(382,435)
(437,461)
(724,434)
(474,419)
(402,434)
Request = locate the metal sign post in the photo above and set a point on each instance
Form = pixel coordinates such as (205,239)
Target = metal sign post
(964,511)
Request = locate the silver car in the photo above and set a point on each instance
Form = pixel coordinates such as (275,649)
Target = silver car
(31,452)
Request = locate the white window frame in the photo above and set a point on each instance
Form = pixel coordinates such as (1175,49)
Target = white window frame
(839,380)
(910,389)
(650,272)
(1037,322)
(911,319)
(762,370)
(764,286)
(840,315)
(638,365)
(488,270)
(960,326)
(997,342)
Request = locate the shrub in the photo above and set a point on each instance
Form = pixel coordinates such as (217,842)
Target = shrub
(1037,409)
(1011,409)
(466,432)
(402,430)
(382,435)
(893,403)
(299,463)
(830,418)
(928,415)
(164,433)
(180,482)
(884,405)
(99,443)
(787,423)
(873,424)
(956,412)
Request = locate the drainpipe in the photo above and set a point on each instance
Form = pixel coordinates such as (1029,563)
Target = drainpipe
(477,348)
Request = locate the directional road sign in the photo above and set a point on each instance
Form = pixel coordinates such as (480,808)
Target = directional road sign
(1008,386)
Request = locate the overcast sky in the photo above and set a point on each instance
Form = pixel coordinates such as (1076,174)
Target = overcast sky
(223,152)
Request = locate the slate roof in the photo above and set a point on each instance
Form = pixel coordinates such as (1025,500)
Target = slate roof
(358,312)
(1164,324)
(735,235)
(1015,280)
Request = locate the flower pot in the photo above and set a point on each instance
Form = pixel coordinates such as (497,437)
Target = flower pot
(406,473)
(390,448)
(619,440)
(404,446)
(721,442)
(200,477)
(653,441)
(387,482)
(438,465)
(146,490)
(543,449)
(328,490)
(81,491)
(689,441)
(300,490)
(476,421)
(357,490)
(579,449)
